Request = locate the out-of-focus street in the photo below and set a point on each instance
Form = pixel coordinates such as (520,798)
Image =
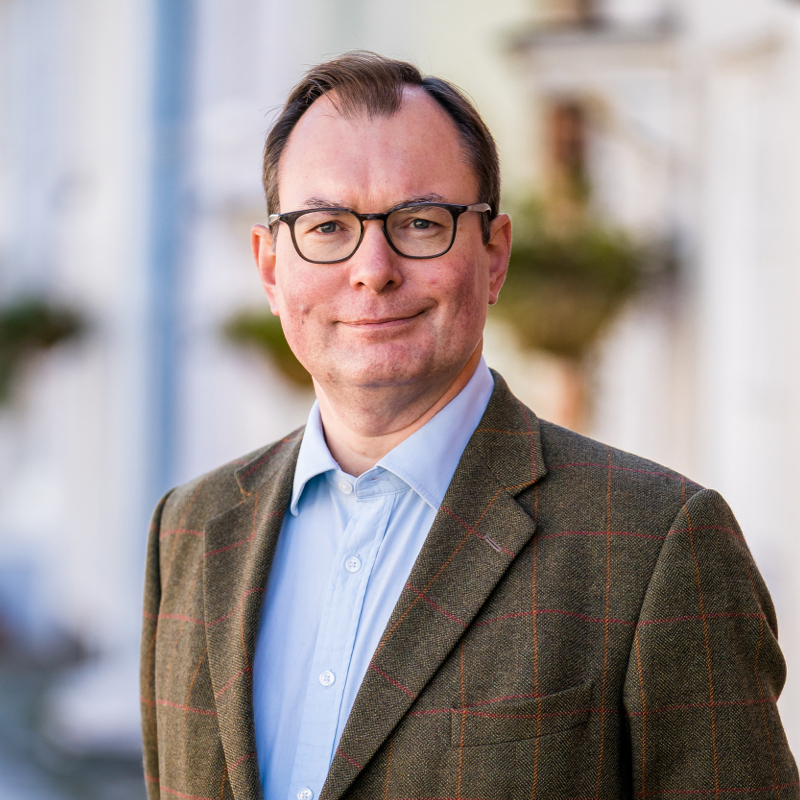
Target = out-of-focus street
(32,767)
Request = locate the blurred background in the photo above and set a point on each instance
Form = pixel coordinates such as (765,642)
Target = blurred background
(651,163)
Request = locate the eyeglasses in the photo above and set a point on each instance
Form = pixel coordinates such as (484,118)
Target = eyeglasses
(331,235)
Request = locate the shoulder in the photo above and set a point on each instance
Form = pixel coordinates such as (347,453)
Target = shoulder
(574,473)
(636,493)
(564,449)
(214,492)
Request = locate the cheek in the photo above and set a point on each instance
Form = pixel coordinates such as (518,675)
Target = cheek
(467,295)
(300,293)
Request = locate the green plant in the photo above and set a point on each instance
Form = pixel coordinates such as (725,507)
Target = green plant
(262,330)
(565,286)
(29,325)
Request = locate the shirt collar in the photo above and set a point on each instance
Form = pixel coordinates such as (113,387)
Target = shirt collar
(426,460)
(314,457)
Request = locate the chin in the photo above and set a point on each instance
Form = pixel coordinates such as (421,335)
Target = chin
(378,373)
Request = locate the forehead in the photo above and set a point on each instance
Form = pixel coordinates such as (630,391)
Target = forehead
(372,163)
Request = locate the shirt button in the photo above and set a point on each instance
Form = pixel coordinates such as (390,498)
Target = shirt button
(305,794)
(352,564)
(345,487)
(326,679)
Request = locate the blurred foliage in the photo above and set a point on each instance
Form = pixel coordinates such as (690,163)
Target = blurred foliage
(30,325)
(262,330)
(566,283)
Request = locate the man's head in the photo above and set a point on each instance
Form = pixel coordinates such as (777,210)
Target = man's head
(368,134)
(367,83)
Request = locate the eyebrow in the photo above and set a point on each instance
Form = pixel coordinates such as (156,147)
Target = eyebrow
(412,201)
(321,202)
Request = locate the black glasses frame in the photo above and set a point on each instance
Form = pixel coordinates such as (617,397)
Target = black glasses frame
(291,217)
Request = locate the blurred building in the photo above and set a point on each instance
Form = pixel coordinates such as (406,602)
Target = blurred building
(130,155)
(683,117)
(129,178)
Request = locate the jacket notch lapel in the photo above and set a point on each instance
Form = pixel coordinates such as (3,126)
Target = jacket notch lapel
(240,544)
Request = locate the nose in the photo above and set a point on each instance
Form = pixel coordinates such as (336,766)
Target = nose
(375,265)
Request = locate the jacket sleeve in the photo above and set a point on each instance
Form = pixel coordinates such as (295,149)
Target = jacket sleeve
(705,669)
(152,602)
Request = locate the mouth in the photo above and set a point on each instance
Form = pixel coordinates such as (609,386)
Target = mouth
(381,323)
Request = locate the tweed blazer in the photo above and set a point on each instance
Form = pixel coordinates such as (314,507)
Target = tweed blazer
(580,623)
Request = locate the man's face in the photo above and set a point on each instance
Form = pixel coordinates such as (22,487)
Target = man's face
(379,319)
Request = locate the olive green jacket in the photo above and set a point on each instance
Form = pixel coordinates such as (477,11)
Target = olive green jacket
(580,623)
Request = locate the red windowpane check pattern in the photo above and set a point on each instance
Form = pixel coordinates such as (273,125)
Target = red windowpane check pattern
(580,624)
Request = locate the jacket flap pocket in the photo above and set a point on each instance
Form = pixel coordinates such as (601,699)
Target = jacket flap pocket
(512,720)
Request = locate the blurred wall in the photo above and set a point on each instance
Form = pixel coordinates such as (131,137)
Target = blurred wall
(75,86)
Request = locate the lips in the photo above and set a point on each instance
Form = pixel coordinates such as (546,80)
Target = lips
(374,322)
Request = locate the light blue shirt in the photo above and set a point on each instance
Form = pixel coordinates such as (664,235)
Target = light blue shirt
(344,554)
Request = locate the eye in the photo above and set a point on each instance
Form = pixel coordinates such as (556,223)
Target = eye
(328,227)
(420,219)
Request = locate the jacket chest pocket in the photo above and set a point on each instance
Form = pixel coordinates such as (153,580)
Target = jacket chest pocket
(518,719)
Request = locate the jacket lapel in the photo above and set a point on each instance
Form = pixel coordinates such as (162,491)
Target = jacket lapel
(478,531)
(240,544)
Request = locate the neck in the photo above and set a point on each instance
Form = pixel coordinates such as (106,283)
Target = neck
(365,425)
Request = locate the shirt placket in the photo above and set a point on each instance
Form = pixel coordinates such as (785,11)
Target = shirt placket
(344,600)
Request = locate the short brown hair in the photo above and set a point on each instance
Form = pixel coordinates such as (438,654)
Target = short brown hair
(366,81)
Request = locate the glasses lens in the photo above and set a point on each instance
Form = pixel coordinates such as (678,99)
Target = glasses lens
(421,231)
(326,235)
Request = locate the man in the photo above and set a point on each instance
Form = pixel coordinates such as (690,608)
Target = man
(428,592)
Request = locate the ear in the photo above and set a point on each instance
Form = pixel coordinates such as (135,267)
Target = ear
(264,254)
(498,249)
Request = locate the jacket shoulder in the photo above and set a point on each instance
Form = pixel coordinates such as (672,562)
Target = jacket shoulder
(565,449)
(612,486)
(536,458)
(216,491)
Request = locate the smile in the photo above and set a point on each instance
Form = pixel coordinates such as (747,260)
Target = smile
(381,323)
